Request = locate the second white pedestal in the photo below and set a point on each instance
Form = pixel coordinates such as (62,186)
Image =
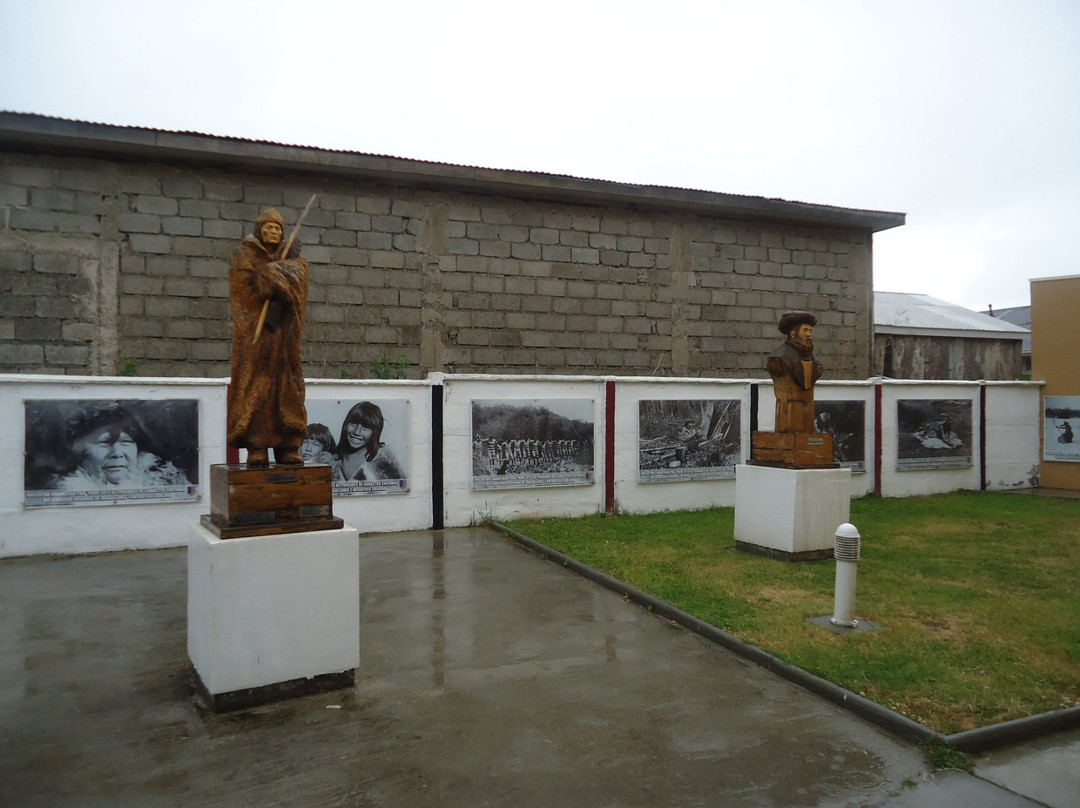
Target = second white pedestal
(790,513)
(271,617)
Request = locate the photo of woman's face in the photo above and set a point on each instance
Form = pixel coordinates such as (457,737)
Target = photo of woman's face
(104,454)
(357,434)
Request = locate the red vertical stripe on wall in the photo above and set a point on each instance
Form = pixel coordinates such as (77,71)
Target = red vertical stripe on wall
(982,436)
(877,440)
(609,449)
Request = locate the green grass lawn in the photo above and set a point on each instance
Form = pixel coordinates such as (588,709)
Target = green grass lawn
(977,593)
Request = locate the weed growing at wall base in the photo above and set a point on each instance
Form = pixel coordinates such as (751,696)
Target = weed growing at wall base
(383,368)
(976,592)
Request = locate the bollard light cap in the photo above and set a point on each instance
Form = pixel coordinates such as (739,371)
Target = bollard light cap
(847,531)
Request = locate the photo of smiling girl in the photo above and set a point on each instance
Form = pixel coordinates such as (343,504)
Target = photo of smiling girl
(371,452)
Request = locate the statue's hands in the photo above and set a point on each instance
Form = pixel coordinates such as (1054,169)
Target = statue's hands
(286,270)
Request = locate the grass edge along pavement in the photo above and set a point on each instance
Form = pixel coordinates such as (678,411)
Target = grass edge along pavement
(994,526)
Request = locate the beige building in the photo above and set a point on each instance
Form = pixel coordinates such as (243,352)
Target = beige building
(1055,359)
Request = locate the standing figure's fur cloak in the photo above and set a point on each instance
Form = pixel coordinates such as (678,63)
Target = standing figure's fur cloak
(266,395)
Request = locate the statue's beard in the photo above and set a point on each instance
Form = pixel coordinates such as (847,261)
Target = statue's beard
(802,345)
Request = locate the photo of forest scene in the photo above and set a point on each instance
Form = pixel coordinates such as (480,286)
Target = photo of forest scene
(688,440)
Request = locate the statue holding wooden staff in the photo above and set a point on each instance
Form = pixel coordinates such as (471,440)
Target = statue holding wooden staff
(268,290)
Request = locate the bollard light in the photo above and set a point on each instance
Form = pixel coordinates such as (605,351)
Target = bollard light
(846,552)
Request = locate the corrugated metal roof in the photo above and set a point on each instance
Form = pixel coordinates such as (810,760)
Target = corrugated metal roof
(46,129)
(898,311)
(1017,315)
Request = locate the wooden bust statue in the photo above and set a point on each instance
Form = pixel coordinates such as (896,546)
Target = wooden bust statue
(794,371)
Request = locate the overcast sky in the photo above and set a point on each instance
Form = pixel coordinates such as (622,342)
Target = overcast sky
(963,114)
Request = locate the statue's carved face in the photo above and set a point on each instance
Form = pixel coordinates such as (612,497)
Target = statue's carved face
(800,337)
(271,234)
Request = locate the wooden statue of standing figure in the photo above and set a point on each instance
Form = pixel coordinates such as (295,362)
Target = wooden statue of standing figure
(795,371)
(268,292)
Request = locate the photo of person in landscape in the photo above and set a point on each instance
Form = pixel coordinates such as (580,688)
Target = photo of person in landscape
(846,422)
(110,452)
(688,440)
(1061,419)
(933,433)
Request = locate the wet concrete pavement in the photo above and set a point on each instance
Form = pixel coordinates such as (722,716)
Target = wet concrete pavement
(488,677)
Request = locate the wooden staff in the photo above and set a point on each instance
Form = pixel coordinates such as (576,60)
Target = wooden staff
(284,251)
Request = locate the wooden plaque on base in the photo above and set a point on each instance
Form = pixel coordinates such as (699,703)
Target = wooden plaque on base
(269,500)
(793,450)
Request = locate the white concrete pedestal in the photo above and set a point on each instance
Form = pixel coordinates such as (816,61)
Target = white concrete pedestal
(273,617)
(790,514)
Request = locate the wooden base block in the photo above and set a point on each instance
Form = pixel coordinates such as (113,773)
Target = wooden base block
(269,500)
(793,450)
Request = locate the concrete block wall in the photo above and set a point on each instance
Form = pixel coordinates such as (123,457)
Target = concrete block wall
(111,266)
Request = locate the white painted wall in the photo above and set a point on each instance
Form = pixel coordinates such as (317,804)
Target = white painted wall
(632,496)
(1013,432)
(31,531)
(916,483)
(462,505)
(1013,424)
(385,513)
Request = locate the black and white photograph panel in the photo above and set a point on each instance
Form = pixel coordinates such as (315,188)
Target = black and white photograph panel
(1061,420)
(366,444)
(532,443)
(933,433)
(110,452)
(688,440)
(845,420)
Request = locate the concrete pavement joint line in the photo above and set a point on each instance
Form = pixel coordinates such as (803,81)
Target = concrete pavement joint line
(980,739)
